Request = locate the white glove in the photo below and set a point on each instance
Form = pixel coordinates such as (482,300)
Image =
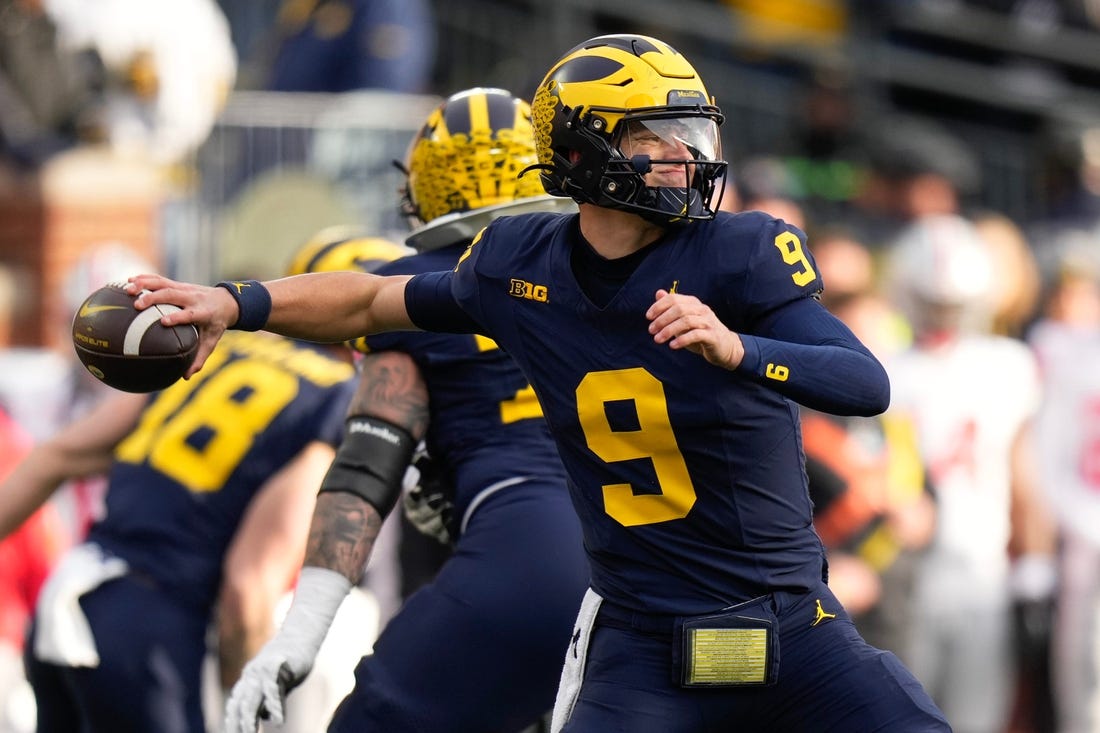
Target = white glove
(286,659)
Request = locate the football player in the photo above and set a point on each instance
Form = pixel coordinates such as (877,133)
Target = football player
(667,345)
(480,647)
(26,558)
(1066,339)
(208,484)
(355,627)
(973,397)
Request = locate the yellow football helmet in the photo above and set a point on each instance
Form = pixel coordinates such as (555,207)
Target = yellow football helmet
(469,154)
(638,94)
(334,249)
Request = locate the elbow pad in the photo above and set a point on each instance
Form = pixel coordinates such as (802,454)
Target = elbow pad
(371,462)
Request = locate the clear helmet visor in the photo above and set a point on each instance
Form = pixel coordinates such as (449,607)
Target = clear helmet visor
(671,138)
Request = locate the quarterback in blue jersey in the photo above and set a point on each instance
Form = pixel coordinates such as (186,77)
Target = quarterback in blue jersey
(668,347)
(207,481)
(480,647)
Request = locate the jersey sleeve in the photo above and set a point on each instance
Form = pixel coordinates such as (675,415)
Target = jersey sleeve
(805,353)
(779,269)
(793,345)
(433,306)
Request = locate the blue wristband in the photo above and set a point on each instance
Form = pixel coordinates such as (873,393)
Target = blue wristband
(253,303)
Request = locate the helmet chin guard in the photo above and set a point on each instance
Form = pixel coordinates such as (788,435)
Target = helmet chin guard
(623,186)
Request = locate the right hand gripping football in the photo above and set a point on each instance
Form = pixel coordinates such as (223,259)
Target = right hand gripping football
(286,659)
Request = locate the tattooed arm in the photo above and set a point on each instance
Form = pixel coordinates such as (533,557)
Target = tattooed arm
(265,556)
(344,528)
(345,525)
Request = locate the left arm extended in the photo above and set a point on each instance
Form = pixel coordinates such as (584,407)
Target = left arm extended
(801,351)
(82,448)
(327,307)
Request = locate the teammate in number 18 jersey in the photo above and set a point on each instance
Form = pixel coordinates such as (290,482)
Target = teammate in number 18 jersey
(197,473)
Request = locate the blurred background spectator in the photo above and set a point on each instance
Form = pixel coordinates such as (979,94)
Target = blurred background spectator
(50,96)
(1015,273)
(827,152)
(764,184)
(985,584)
(1069,181)
(169,68)
(344,45)
(1066,340)
(872,504)
(26,558)
(915,168)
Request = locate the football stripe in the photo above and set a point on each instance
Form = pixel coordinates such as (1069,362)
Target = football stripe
(131,345)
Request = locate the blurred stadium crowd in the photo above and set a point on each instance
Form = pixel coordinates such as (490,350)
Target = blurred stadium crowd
(942,155)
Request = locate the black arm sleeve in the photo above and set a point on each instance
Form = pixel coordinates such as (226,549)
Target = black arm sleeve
(371,462)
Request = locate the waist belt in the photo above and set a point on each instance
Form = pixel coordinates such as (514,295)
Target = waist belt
(621,617)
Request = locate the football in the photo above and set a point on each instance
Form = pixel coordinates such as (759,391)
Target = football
(129,349)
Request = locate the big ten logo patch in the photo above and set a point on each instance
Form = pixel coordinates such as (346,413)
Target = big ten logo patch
(523,289)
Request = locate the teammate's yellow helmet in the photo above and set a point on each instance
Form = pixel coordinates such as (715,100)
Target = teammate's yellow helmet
(611,86)
(469,155)
(342,248)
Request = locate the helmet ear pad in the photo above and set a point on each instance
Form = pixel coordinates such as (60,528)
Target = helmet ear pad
(582,162)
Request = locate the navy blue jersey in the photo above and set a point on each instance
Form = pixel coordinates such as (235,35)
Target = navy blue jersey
(485,423)
(181,481)
(688,478)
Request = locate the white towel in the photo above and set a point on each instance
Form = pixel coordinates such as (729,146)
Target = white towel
(572,673)
(63,635)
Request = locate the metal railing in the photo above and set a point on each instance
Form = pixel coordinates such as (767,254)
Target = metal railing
(277,167)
